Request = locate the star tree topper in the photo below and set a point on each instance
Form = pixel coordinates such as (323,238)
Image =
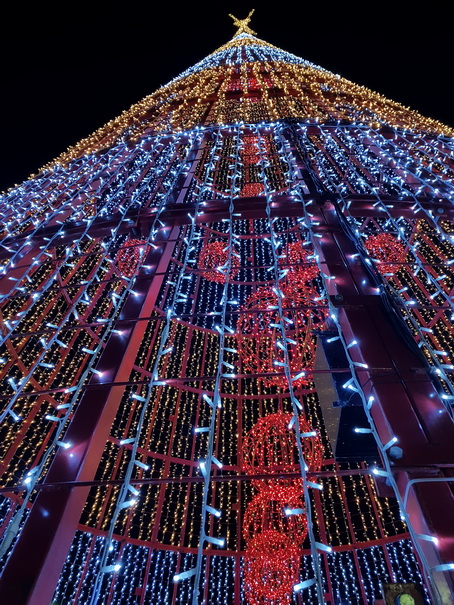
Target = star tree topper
(242,24)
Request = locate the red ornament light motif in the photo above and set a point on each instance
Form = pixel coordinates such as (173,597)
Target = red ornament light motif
(213,260)
(250,152)
(266,512)
(250,156)
(270,448)
(271,569)
(259,338)
(275,539)
(295,258)
(251,190)
(386,249)
(129,256)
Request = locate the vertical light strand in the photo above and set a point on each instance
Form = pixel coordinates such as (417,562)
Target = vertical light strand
(295,404)
(220,373)
(155,382)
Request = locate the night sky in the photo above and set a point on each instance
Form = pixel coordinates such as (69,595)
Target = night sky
(64,76)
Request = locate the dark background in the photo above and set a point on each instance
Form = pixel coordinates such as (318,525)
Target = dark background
(67,70)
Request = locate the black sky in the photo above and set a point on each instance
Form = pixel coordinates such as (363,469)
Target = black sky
(66,71)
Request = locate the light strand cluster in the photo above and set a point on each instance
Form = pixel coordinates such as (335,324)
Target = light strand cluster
(237,318)
(274,524)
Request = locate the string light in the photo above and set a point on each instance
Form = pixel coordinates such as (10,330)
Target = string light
(271,567)
(387,250)
(213,261)
(261,345)
(260,279)
(128,257)
(270,448)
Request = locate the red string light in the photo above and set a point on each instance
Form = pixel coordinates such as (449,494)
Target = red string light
(250,152)
(259,338)
(274,523)
(270,448)
(250,156)
(296,260)
(266,512)
(129,255)
(251,190)
(213,259)
(386,249)
(271,569)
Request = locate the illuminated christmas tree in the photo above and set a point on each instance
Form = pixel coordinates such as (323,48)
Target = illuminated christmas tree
(227,348)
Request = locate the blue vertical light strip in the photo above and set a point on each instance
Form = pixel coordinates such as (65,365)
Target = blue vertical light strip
(216,402)
(315,546)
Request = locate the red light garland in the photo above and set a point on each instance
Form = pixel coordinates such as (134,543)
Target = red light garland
(129,256)
(270,448)
(213,258)
(388,250)
(296,256)
(271,568)
(266,512)
(250,156)
(251,190)
(275,538)
(259,337)
(250,152)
